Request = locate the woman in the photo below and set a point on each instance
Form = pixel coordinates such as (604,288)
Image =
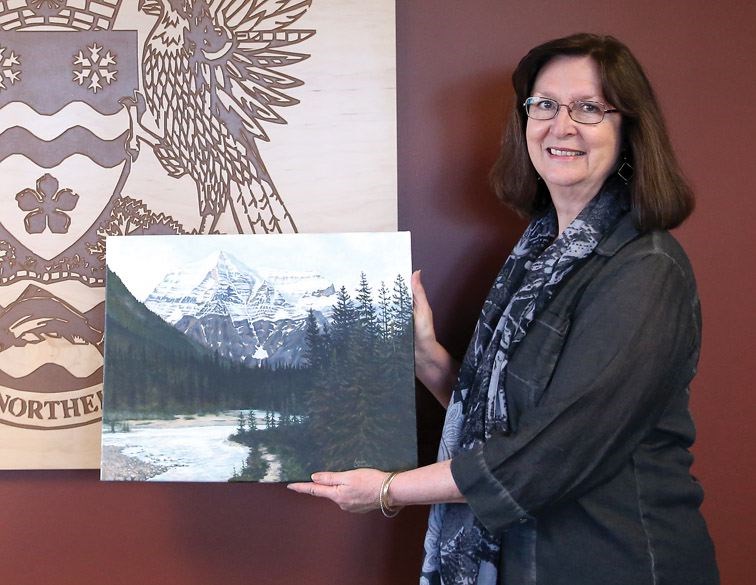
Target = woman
(564,457)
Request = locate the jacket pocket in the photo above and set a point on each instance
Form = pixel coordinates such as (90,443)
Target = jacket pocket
(533,362)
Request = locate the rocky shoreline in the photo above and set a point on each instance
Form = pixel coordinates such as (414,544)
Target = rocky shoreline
(121,467)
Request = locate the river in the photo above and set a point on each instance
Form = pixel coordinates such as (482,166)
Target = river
(189,448)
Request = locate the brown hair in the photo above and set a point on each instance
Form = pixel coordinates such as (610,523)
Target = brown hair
(660,196)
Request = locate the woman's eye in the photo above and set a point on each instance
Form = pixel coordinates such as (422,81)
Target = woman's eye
(588,107)
(546,104)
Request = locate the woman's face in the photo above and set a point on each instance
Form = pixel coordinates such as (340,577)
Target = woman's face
(573,159)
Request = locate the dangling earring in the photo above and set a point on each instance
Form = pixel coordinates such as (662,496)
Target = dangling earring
(625,170)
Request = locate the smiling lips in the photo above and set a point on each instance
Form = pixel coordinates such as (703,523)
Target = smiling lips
(561,152)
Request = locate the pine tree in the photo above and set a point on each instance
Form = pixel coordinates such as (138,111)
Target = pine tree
(365,309)
(251,420)
(319,397)
(398,374)
(367,381)
(384,312)
(344,320)
(401,307)
(240,424)
(316,350)
(330,406)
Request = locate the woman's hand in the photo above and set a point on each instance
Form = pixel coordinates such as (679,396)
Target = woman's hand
(425,334)
(358,490)
(353,491)
(434,367)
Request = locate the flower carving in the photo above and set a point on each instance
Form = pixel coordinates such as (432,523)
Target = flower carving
(47,206)
(9,67)
(95,67)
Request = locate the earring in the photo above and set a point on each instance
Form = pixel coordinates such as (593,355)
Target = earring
(625,171)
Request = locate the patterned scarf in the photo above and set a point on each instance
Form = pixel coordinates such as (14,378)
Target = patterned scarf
(458,549)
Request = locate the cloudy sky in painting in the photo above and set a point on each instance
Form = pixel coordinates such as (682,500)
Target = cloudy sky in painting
(141,262)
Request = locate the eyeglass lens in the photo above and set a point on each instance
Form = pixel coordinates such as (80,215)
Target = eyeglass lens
(585,112)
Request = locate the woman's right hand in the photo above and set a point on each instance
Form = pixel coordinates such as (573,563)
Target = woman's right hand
(425,334)
(434,367)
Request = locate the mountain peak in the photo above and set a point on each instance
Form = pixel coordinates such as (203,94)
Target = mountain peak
(221,284)
(244,314)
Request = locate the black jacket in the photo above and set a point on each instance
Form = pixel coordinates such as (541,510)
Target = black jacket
(592,486)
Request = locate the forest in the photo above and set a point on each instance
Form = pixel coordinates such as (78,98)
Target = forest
(351,405)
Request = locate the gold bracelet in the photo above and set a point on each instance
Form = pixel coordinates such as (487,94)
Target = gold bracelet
(386,510)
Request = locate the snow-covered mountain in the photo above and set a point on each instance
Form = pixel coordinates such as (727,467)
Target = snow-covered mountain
(246,315)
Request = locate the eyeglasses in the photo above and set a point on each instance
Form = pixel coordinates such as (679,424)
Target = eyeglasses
(583,112)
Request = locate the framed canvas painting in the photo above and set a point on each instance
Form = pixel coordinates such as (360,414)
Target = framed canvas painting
(257,358)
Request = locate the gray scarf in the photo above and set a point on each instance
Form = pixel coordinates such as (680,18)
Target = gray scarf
(458,549)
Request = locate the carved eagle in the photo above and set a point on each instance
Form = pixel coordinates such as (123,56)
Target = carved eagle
(211,73)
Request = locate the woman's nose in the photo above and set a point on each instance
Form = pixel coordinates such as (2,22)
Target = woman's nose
(562,124)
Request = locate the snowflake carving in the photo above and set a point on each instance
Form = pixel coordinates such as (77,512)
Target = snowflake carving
(46,206)
(98,69)
(9,67)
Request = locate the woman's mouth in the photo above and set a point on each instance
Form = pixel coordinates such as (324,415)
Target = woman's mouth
(564,152)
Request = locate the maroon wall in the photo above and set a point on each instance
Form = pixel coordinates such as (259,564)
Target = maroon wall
(454,60)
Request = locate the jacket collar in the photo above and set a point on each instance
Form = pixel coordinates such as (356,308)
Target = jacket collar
(623,233)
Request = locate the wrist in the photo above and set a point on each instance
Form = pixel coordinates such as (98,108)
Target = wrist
(384,497)
(432,361)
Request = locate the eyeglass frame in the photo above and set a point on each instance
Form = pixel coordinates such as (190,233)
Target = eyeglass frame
(602,106)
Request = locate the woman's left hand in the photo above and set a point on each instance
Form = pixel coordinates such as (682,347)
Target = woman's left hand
(353,491)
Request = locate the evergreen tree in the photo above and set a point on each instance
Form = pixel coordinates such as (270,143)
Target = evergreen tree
(367,378)
(401,307)
(240,424)
(344,320)
(365,309)
(251,420)
(397,371)
(316,350)
(384,312)
(329,401)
